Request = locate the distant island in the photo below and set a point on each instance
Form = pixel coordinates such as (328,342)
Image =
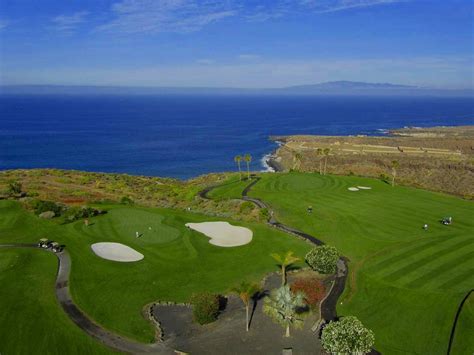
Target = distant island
(334,88)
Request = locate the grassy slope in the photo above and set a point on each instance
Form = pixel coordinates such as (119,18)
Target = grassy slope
(177,261)
(31,320)
(406,277)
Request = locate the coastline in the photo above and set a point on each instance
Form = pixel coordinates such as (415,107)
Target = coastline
(270,161)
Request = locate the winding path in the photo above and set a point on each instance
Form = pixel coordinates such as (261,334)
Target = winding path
(117,342)
(106,337)
(328,307)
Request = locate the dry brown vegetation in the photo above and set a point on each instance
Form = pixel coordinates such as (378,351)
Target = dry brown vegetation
(79,188)
(438,158)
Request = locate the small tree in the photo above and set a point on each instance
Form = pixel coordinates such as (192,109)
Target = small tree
(284,261)
(246,291)
(238,159)
(323,259)
(205,307)
(248,159)
(347,336)
(395,166)
(282,306)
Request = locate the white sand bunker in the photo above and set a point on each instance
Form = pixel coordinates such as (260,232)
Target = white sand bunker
(223,234)
(116,252)
(364,188)
(353,189)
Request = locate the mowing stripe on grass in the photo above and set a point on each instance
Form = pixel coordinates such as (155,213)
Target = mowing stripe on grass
(426,244)
(461,277)
(440,270)
(413,267)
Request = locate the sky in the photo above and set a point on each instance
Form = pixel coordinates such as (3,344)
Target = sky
(230,43)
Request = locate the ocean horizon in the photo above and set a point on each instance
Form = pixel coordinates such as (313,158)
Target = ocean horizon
(184,136)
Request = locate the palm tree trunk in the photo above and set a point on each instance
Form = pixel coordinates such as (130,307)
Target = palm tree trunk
(320,167)
(240,171)
(325,164)
(283,275)
(287,331)
(247,317)
(248,170)
(393,177)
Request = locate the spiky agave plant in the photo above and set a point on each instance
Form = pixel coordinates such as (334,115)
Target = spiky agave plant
(282,306)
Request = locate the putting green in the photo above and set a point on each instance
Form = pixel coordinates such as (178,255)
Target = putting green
(177,261)
(402,277)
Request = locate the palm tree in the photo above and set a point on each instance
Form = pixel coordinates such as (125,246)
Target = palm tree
(248,159)
(395,166)
(238,159)
(282,306)
(246,291)
(326,152)
(284,261)
(319,152)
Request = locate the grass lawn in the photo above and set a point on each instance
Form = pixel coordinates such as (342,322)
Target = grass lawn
(405,283)
(231,188)
(177,263)
(463,339)
(31,320)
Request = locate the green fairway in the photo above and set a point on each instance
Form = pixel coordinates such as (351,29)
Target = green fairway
(31,320)
(463,338)
(403,278)
(177,263)
(231,188)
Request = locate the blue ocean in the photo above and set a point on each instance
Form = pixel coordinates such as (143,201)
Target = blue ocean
(185,136)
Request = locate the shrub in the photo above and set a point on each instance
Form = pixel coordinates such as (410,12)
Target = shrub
(14,188)
(205,307)
(41,206)
(347,336)
(264,214)
(125,200)
(384,178)
(312,289)
(246,207)
(323,259)
(75,213)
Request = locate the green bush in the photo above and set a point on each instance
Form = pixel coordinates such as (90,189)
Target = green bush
(264,214)
(347,336)
(246,207)
(41,206)
(14,188)
(125,200)
(385,178)
(75,213)
(205,307)
(323,259)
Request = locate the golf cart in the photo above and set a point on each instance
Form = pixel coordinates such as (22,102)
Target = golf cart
(447,221)
(55,247)
(43,243)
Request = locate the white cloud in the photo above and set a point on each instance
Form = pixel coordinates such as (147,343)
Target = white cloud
(322,6)
(69,23)
(135,16)
(182,16)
